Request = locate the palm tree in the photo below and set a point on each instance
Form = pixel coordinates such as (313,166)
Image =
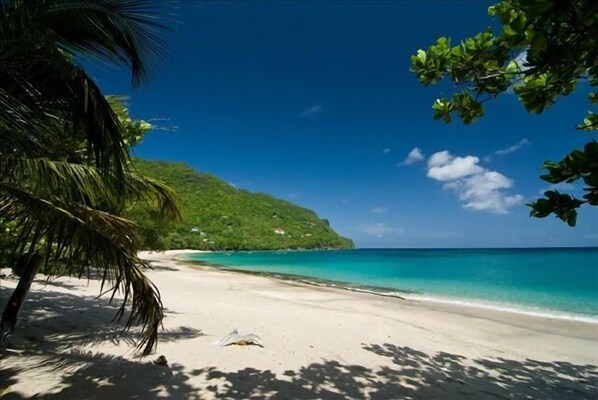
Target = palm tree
(64,178)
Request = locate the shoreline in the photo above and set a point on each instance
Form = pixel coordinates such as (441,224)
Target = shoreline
(457,303)
(571,327)
(319,342)
(539,324)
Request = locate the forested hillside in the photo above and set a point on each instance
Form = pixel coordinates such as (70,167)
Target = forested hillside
(217,216)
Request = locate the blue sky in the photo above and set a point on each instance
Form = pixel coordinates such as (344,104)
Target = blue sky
(313,102)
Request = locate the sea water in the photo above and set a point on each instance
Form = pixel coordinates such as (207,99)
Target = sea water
(555,282)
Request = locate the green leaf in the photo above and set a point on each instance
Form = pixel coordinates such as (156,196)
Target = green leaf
(519,24)
(560,41)
(443,108)
(590,122)
(572,218)
(421,56)
(509,30)
(441,48)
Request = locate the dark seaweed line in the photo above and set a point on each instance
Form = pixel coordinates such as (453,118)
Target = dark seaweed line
(308,280)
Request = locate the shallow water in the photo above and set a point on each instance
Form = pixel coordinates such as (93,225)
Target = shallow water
(560,282)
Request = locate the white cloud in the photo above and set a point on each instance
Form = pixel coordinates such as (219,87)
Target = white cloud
(439,159)
(313,110)
(445,167)
(508,150)
(380,230)
(482,192)
(521,60)
(386,150)
(513,148)
(379,210)
(414,156)
(478,188)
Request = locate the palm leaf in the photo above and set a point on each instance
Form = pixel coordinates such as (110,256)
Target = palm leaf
(68,181)
(66,96)
(39,82)
(149,191)
(80,236)
(83,184)
(117,31)
(57,200)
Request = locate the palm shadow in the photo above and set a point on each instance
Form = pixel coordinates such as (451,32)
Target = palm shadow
(405,372)
(76,320)
(98,376)
(55,326)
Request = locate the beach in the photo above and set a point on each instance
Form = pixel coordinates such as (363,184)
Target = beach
(318,342)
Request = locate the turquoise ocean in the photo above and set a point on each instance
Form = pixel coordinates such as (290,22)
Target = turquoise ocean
(555,282)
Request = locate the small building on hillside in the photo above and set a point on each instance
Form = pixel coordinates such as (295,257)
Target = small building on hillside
(279,231)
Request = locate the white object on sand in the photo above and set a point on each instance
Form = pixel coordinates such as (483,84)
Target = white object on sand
(241,340)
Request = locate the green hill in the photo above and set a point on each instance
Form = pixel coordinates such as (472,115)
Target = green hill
(217,216)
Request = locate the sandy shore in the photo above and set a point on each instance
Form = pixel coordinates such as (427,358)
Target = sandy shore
(318,343)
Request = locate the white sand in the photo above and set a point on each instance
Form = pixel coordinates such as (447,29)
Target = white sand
(318,343)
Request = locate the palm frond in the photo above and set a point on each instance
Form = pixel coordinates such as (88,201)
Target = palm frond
(83,184)
(91,113)
(155,193)
(81,236)
(68,181)
(40,84)
(67,97)
(59,198)
(25,125)
(117,31)
(65,103)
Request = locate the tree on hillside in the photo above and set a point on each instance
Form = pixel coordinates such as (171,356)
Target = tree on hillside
(545,49)
(64,178)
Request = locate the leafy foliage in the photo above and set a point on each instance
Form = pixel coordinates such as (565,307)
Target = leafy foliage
(544,49)
(217,216)
(64,175)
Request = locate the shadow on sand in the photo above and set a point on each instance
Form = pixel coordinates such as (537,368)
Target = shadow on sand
(53,324)
(408,374)
(414,375)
